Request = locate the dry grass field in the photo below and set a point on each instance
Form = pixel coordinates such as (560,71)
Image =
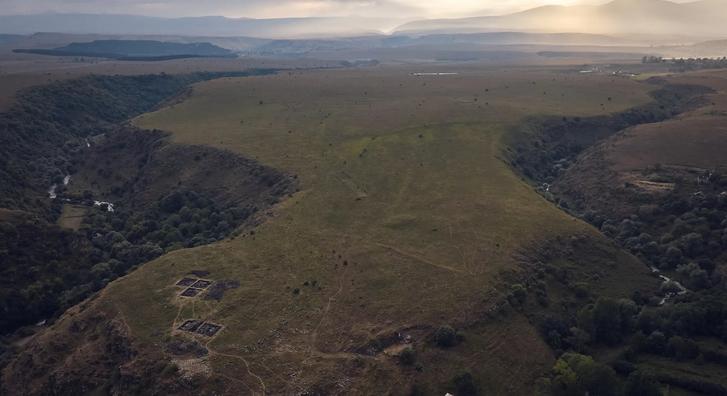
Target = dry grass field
(695,139)
(406,220)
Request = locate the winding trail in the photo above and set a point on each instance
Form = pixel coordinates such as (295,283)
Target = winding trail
(247,366)
(331,299)
(419,258)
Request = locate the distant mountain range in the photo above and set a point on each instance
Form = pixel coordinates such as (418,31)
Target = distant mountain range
(9,38)
(705,18)
(472,41)
(135,50)
(194,26)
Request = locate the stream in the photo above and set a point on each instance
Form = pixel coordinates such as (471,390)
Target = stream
(682,290)
(52,190)
(53,194)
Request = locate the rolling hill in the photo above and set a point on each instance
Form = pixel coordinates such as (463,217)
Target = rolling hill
(625,17)
(135,50)
(407,220)
(192,26)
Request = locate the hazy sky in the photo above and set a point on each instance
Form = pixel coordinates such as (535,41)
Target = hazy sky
(284,8)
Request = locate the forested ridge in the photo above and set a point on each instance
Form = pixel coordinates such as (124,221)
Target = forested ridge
(642,344)
(48,125)
(45,268)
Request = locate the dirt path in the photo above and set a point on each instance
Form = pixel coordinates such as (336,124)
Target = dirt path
(331,299)
(212,352)
(418,258)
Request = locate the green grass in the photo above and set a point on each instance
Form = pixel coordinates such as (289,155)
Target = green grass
(401,182)
(662,366)
(72,216)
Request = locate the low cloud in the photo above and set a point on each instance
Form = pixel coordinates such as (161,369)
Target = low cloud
(231,8)
(390,9)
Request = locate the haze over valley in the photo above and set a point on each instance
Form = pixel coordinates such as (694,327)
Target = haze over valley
(359,197)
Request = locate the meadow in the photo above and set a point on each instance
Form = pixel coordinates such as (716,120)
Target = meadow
(407,219)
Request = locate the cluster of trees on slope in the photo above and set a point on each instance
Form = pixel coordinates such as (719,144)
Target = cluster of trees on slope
(682,234)
(126,238)
(687,64)
(687,234)
(544,148)
(637,329)
(39,134)
(47,269)
(682,65)
(41,265)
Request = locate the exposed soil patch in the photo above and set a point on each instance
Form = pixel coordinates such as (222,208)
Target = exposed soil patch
(218,289)
(186,282)
(202,284)
(209,329)
(182,348)
(206,329)
(190,292)
(190,325)
(99,355)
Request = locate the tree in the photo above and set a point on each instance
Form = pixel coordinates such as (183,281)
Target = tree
(407,356)
(464,385)
(576,374)
(656,342)
(608,320)
(640,383)
(518,293)
(695,276)
(445,336)
(682,348)
(578,339)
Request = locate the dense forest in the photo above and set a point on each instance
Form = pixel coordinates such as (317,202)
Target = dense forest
(49,124)
(45,268)
(682,234)
(681,65)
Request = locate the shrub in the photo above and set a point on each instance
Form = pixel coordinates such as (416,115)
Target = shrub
(445,336)
(518,293)
(576,374)
(681,348)
(640,383)
(407,356)
(464,385)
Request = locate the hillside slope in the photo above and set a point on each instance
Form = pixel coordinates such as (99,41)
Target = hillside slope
(402,225)
(135,50)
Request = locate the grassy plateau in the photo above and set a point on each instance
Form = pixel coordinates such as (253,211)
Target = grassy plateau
(406,219)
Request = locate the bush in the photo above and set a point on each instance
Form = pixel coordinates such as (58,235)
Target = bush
(445,337)
(576,374)
(464,385)
(407,356)
(518,294)
(656,342)
(681,348)
(640,383)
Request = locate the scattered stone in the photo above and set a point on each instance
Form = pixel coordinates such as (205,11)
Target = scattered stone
(186,348)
